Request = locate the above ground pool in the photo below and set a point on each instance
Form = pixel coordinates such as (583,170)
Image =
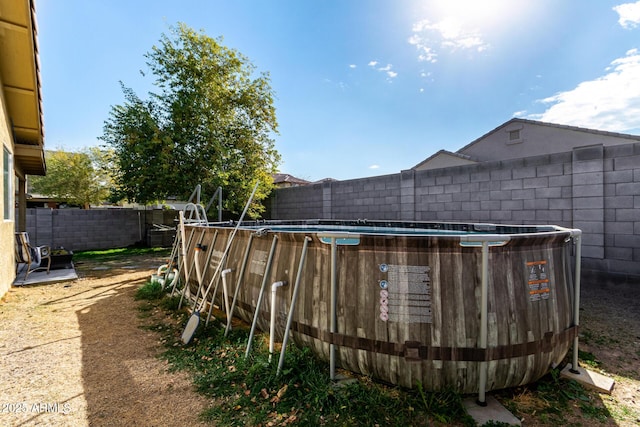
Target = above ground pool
(467,307)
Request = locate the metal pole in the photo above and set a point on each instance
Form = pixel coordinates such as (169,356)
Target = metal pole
(576,300)
(220,205)
(482,383)
(264,284)
(334,301)
(240,277)
(218,195)
(187,272)
(176,254)
(294,298)
(225,294)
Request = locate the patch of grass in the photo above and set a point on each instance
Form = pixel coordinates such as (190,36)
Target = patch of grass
(170,303)
(586,336)
(591,411)
(145,310)
(248,390)
(151,290)
(587,358)
(552,399)
(622,413)
(113,254)
(445,406)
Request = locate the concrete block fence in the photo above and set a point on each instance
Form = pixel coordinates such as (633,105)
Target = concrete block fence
(93,229)
(593,188)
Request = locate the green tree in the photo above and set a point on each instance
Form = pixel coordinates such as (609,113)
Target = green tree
(211,123)
(77,178)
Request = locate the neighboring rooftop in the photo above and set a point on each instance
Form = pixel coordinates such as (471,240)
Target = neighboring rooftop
(520,138)
(286,180)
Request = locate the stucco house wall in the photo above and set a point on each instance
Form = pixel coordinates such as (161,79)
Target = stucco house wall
(520,138)
(7,260)
(21,122)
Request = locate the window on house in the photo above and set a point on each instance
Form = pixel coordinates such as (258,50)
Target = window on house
(7,187)
(514,135)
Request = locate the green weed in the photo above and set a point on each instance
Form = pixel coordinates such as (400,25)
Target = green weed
(587,358)
(170,303)
(249,391)
(151,290)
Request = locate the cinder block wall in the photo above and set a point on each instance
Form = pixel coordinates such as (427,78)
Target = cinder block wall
(79,229)
(593,188)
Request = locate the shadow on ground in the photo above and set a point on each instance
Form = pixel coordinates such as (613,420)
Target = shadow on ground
(125,383)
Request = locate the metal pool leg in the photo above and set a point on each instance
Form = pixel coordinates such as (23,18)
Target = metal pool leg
(178,243)
(183,253)
(213,296)
(335,239)
(294,298)
(334,303)
(189,269)
(240,277)
(225,293)
(181,258)
(267,270)
(576,301)
(206,263)
(482,382)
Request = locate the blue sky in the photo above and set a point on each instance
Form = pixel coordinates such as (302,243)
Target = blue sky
(363,87)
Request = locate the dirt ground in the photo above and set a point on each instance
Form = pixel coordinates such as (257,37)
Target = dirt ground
(74,354)
(610,331)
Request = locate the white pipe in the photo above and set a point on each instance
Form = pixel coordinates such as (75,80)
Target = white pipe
(576,300)
(224,291)
(272,327)
(482,384)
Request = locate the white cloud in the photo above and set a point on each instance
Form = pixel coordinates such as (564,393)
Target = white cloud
(629,14)
(446,34)
(610,102)
(374,167)
(386,69)
(352,66)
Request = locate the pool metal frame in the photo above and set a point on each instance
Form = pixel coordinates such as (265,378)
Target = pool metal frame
(336,233)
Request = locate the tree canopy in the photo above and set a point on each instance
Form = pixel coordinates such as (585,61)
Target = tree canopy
(210,122)
(80,178)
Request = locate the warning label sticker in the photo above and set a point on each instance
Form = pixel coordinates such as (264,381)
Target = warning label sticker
(405,293)
(538,280)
